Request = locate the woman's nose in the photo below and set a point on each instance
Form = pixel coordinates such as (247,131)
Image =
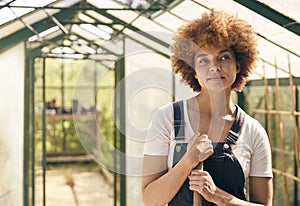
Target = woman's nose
(215,66)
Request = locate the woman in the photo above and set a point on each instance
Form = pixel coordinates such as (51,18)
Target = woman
(214,55)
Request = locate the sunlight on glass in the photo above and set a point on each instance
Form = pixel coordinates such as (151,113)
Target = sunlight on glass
(6,15)
(99,17)
(86,18)
(93,29)
(106,29)
(61,50)
(88,49)
(104,4)
(21,11)
(33,3)
(3,2)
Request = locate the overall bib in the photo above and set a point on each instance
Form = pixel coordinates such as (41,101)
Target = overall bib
(222,166)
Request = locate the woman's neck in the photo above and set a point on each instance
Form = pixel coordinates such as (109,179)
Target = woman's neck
(215,104)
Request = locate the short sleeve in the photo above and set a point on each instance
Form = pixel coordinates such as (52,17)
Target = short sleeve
(261,160)
(159,132)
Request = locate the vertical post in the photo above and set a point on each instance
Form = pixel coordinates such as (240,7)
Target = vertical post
(119,136)
(116,139)
(27,132)
(122,130)
(267,115)
(44,130)
(95,83)
(62,91)
(296,126)
(62,79)
(32,138)
(241,100)
(96,133)
(280,130)
(295,162)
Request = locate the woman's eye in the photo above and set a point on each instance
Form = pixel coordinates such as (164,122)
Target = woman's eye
(225,57)
(202,61)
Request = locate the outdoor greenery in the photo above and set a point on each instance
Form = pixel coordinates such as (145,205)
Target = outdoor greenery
(63,76)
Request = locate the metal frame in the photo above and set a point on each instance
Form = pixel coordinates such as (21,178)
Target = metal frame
(266,11)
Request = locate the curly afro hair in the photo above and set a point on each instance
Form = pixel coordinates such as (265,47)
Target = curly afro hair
(216,28)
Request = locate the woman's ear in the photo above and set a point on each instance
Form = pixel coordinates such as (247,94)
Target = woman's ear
(238,68)
(195,75)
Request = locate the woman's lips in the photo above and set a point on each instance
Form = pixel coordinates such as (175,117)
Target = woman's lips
(215,78)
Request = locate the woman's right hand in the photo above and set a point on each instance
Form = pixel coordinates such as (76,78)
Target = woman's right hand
(199,149)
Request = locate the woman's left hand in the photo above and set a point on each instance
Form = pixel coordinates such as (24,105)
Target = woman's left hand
(202,182)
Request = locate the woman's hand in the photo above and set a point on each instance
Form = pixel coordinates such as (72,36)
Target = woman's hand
(199,149)
(202,182)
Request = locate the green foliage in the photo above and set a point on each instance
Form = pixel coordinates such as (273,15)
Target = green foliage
(86,136)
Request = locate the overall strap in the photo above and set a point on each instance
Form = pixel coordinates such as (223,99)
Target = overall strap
(235,130)
(179,120)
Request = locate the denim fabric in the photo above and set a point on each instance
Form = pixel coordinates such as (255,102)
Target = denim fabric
(226,172)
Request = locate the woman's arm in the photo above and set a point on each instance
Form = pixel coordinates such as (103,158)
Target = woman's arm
(260,189)
(160,187)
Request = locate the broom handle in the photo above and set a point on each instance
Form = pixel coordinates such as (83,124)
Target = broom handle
(197,197)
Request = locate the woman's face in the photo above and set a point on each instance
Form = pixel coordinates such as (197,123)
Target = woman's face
(216,68)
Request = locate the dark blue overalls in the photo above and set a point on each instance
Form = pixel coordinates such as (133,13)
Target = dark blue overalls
(223,166)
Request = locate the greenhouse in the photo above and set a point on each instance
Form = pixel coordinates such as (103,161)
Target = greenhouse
(81,80)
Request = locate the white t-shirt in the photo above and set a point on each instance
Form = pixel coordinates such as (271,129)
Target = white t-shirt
(252,149)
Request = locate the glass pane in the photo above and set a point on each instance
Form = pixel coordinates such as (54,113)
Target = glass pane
(99,17)
(3,2)
(111,46)
(12,126)
(84,33)
(158,46)
(290,8)
(126,16)
(184,10)
(148,86)
(32,3)
(6,15)
(169,20)
(105,4)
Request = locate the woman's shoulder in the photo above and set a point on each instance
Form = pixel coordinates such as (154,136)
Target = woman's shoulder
(253,124)
(253,130)
(163,110)
(166,109)
(162,114)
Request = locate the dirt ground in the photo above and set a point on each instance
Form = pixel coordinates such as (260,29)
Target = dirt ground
(89,188)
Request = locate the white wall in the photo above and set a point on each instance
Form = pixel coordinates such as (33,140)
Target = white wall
(11,125)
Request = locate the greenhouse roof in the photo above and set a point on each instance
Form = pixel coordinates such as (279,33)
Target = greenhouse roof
(94,28)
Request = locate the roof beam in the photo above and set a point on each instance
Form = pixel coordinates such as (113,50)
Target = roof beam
(129,26)
(61,37)
(25,33)
(271,14)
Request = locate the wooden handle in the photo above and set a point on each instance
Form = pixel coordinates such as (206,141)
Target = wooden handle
(197,197)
